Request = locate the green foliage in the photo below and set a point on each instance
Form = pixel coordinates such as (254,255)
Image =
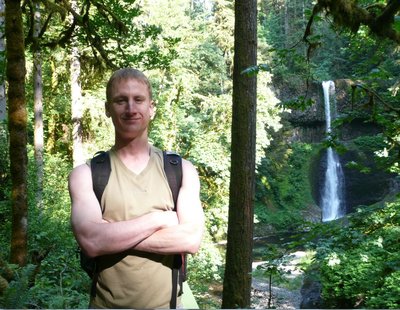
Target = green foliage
(283,187)
(60,283)
(98,132)
(206,266)
(276,261)
(17,295)
(358,166)
(252,71)
(56,104)
(281,220)
(359,263)
(5,190)
(370,143)
(300,103)
(54,278)
(125,38)
(4,162)
(216,219)
(372,154)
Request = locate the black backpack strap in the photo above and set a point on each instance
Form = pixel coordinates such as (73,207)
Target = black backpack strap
(173,171)
(177,264)
(100,166)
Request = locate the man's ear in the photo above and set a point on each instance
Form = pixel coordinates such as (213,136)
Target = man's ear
(106,107)
(153,110)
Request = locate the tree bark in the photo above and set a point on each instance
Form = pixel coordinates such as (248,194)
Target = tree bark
(237,279)
(17,123)
(38,106)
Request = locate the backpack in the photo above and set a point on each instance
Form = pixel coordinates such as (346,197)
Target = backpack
(101,169)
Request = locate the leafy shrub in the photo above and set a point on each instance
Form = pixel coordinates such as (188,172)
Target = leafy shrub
(54,278)
(283,186)
(17,295)
(206,266)
(359,264)
(60,283)
(205,269)
(370,143)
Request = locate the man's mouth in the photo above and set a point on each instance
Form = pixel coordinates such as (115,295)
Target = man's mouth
(133,118)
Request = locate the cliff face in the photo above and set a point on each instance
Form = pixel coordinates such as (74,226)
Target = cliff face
(309,126)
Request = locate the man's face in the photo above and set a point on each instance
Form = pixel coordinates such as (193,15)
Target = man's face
(131,108)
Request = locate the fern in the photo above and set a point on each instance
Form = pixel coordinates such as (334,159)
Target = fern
(17,294)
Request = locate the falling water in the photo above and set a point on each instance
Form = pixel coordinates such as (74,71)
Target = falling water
(332,197)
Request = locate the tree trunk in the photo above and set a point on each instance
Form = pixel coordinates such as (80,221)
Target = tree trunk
(38,106)
(237,279)
(17,124)
(76,109)
(76,105)
(3,113)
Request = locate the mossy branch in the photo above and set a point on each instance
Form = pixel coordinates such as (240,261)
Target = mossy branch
(349,14)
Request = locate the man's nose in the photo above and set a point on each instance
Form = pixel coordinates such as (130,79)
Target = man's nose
(131,106)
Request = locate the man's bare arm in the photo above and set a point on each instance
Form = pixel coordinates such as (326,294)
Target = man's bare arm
(98,237)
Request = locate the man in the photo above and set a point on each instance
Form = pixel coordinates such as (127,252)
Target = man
(137,233)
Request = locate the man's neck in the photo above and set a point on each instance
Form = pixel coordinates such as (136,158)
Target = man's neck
(131,145)
(135,154)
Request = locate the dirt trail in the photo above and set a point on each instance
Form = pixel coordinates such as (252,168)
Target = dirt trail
(282,298)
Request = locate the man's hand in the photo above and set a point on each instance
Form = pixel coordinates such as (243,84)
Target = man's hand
(169,218)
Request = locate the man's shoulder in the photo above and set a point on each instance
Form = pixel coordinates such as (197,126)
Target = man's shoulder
(79,176)
(187,165)
(81,169)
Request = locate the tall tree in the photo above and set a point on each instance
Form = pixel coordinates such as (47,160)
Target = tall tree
(38,103)
(17,124)
(76,108)
(76,101)
(237,279)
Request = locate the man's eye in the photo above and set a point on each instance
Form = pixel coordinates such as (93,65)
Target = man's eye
(120,101)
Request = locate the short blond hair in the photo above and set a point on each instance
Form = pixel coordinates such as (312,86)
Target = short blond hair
(125,74)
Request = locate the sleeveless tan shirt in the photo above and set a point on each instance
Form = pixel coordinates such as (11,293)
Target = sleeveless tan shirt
(134,279)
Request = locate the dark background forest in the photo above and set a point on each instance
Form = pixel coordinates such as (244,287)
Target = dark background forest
(187,48)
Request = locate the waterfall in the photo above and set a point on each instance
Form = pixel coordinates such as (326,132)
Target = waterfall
(333,194)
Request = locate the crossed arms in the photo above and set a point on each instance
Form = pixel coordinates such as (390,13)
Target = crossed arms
(162,232)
